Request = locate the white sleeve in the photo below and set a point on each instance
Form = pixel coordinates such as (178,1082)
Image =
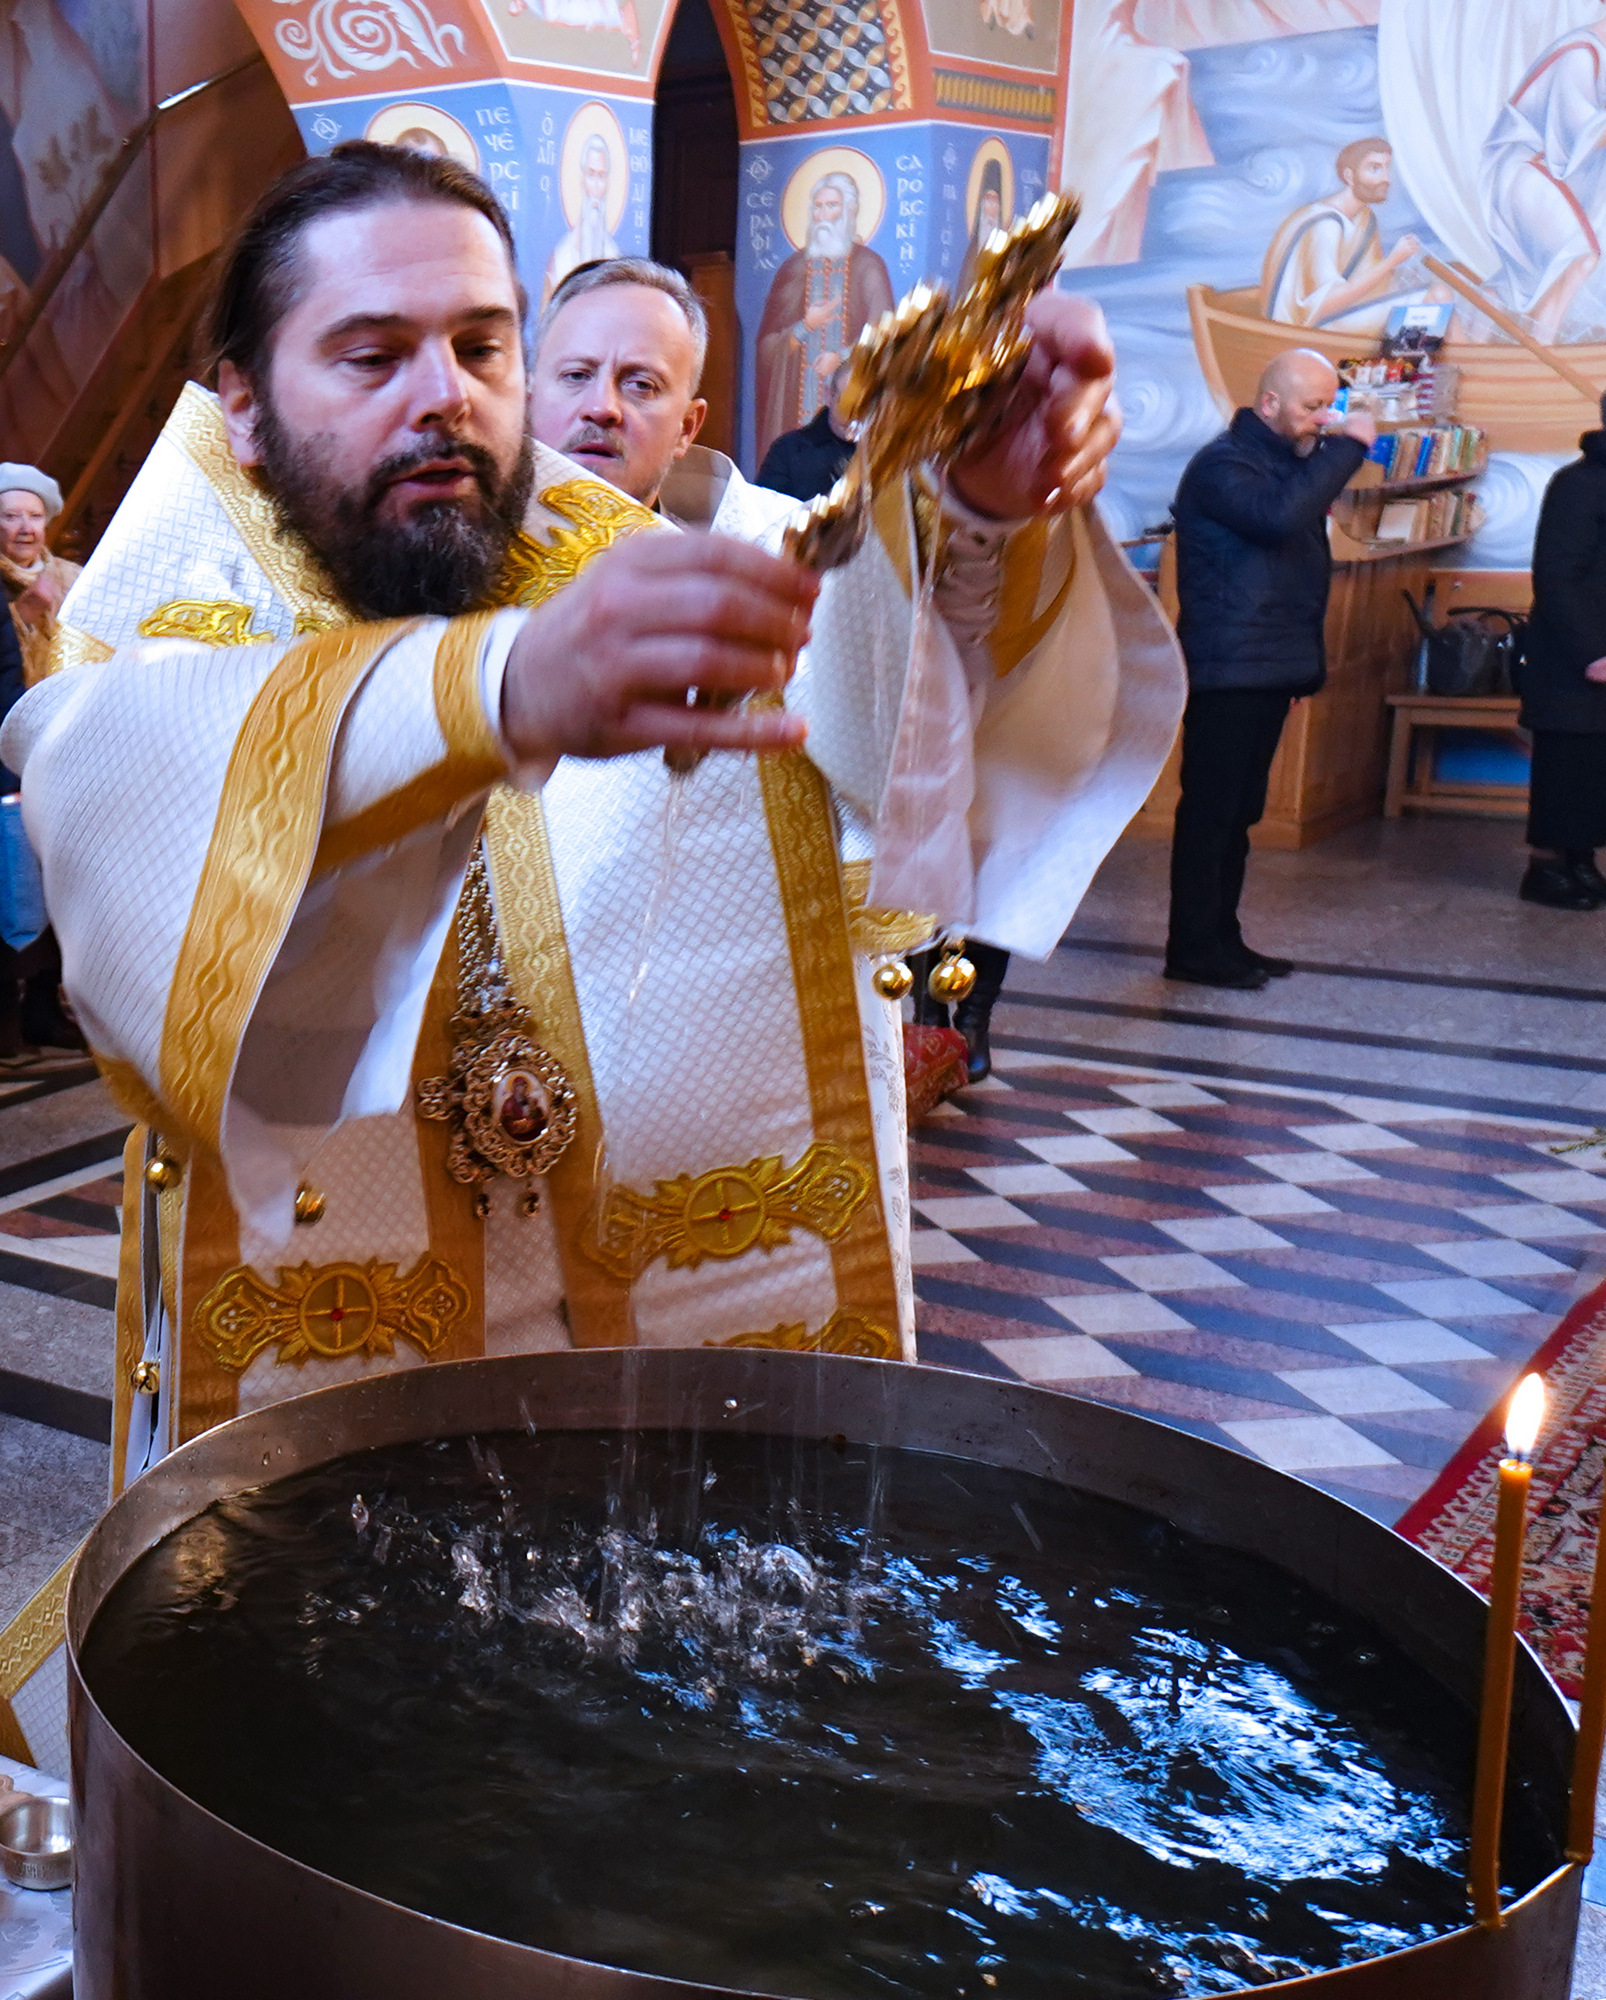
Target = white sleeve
(132,773)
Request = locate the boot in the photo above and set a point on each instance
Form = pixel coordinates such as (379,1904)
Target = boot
(44,1021)
(973,1015)
(1551,881)
(10,1006)
(1581,867)
(929,1013)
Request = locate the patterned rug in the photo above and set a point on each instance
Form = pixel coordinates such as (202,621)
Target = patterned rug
(1454,1518)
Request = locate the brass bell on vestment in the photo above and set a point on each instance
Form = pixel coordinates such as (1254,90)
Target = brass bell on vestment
(163,1172)
(892,980)
(310,1205)
(952,976)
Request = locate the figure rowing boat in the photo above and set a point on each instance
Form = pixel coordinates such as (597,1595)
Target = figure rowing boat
(1508,392)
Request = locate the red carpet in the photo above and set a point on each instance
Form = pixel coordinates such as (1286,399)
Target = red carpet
(934,1061)
(1454,1519)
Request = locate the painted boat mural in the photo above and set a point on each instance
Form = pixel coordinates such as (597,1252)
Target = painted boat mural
(1521,403)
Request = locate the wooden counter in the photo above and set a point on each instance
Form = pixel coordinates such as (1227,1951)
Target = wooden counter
(1331,763)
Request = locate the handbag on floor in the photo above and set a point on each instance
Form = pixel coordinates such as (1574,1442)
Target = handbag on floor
(22,886)
(1476,651)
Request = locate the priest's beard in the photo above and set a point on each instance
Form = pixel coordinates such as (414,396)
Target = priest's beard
(442,559)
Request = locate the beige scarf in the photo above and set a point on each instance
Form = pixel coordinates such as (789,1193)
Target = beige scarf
(36,635)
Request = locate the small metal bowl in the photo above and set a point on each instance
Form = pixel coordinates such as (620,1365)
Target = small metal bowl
(36,1845)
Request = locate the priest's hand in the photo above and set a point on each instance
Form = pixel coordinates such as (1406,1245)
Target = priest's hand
(606,666)
(1048,451)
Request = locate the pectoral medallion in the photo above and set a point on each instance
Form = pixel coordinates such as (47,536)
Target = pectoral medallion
(511,1103)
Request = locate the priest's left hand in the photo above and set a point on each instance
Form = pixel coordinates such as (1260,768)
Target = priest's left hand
(1049,451)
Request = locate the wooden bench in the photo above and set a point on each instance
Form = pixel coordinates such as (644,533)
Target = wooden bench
(1425,792)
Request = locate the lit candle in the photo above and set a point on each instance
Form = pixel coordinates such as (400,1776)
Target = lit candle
(1523,1418)
(1591,1720)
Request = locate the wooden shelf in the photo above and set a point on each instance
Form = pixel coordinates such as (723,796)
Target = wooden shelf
(1430,482)
(1346,549)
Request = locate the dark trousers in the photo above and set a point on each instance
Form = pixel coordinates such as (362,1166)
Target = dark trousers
(1567,791)
(1229,737)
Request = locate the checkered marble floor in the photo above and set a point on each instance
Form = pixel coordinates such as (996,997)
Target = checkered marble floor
(1340,1285)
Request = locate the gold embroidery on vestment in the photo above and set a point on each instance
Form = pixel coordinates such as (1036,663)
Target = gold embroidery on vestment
(597,515)
(1020,627)
(881,933)
(473,757)
(727,1211)
(842,1333)
(263,842)
(808,873)
(332,1312)
(129,1341)
(25,1644)
(212,622)
(196,427)
(529,917)
(73,648)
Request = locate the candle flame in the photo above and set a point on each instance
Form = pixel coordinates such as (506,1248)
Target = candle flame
(1524,1415)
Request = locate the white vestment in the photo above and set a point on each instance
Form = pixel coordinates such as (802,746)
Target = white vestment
(1317,251)
(252,854)
(1446,69)
(1544,169)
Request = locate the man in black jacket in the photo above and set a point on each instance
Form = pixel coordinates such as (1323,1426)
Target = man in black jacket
(1252,575)
(811,460)
(1563,701)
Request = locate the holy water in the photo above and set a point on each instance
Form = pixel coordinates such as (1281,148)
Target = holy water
(811,1719)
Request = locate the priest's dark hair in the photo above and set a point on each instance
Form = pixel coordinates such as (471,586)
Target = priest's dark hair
(257,280)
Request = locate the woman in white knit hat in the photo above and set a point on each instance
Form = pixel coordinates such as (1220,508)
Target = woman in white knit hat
(35,580)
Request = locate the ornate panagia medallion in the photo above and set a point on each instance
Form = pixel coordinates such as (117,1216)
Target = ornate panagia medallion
(510,1101)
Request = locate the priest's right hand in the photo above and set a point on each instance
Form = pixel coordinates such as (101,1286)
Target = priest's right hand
(608,665)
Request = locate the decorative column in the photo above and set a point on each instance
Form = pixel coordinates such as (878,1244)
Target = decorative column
(550,100)
(872,158)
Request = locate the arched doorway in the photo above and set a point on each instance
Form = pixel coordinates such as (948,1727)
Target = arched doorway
(694,172)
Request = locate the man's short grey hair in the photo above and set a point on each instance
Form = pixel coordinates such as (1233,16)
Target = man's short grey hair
(630,271)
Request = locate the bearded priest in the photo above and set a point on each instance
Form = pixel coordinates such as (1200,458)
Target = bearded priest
(641,1089)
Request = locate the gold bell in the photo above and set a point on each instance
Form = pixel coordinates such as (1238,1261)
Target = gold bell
(952,977)
(146,1378)
(310,1204)
(892,980)
(163,1172)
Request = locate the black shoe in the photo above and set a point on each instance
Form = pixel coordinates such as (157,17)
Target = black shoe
(973,1023)
(1581,867)
(1554,884)
(1274,968)
(1237,974)
(45,1025)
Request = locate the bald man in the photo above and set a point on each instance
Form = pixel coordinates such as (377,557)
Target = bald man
(1252,576)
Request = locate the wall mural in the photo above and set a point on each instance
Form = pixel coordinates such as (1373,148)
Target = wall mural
(612,37)
(1290,164)
(72,82)
(832,235)
(1022,33)
(826,292)
(573,171)
(804,59)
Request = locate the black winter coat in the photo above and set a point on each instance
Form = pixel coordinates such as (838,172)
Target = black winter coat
(1568,628)
(808,461)
(10,685)
(1252,558)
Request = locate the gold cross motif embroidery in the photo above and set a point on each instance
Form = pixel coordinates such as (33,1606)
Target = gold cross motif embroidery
(726,1212)
(331,1312)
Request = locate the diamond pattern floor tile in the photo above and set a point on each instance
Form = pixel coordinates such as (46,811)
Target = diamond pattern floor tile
(1285,1273)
